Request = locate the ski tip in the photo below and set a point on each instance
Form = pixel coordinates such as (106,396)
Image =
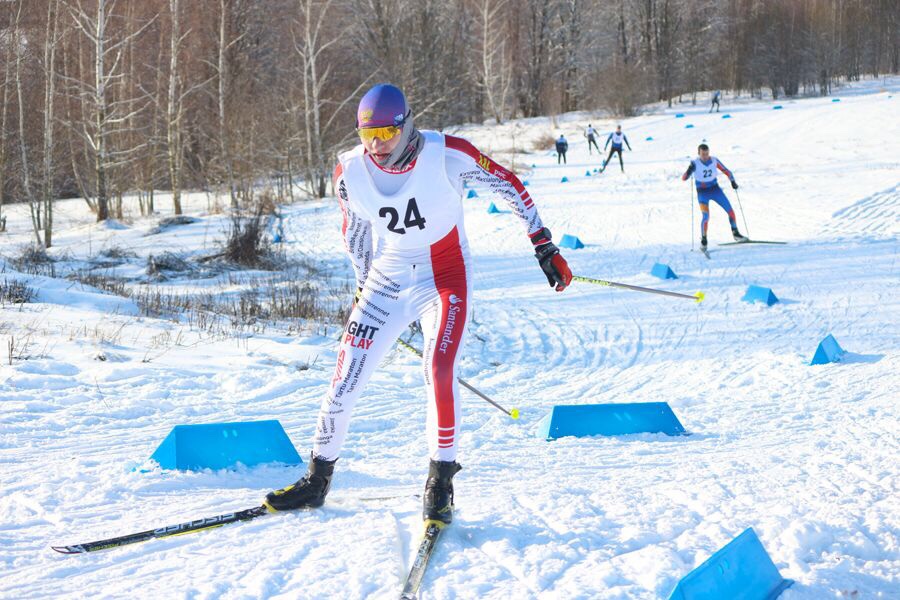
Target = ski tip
(514,413)
(66,549)
(699,296)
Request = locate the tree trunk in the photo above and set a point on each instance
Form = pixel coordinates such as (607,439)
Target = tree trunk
(100,114)
(224,145)
(48,190)
(174,108)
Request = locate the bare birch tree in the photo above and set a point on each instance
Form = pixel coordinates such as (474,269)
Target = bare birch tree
(310,43)
(48,188)
(222,80)
(495,67)
(105,116)
(175,108)
(28,192)
(4,120)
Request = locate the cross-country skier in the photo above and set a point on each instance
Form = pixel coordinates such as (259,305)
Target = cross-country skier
(591,134)
(715,101)
(400,192)
(704,170)
(617,138)
(562,146)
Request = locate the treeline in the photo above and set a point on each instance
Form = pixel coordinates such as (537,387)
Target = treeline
(102,98)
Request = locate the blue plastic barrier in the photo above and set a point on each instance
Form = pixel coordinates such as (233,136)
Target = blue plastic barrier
(471,194)
(663,271)
(649,138)
(492,209)
(756,293)
(777,107)
(533,166)
(828,351)
(609,419)
(570,241)
(835,99)
(587,173)
(223,445)
(679,115)
(741,569)
(689,126)
(726,116)
(564,179)
(525,182)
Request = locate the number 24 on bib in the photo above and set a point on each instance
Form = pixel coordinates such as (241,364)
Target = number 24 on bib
(413,217)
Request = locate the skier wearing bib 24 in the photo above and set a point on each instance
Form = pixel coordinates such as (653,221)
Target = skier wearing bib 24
(704,170)
(616,137)
(400,192)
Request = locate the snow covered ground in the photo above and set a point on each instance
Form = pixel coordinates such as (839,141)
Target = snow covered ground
(808,456)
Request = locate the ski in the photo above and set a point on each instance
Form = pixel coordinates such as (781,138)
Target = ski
(750,242)
(705,252)
(433,531)
(164,532)
(191,527)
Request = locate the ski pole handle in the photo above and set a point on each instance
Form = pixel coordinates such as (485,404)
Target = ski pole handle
(514,413)
(698,297)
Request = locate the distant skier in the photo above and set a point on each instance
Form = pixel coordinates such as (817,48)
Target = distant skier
(617,138)
(591,134)
(400,192)
(717,95)
(704,170)
(562,146)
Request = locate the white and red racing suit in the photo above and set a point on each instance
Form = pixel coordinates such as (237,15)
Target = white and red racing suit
(404,233)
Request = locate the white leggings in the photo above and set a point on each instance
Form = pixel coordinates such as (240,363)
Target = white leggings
(396,294)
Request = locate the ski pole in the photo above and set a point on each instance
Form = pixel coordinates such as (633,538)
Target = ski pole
(514,413)
(743,216)
(698,297)
(692,215)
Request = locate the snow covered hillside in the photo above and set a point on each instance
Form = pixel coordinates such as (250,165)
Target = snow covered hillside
(808,456)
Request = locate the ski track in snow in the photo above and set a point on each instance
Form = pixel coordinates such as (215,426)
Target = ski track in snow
(806,455)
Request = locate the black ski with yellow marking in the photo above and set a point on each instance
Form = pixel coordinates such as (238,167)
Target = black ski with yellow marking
(429,541)
(164,532)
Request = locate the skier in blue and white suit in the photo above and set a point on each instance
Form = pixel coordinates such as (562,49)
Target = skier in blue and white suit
(617,138)
(704,169)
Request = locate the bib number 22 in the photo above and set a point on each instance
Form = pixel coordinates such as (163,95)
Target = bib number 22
(413,217)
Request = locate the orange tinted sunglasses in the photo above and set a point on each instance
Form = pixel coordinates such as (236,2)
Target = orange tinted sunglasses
(384,134)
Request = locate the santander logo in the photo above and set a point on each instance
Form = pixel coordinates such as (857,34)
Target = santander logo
(454,299)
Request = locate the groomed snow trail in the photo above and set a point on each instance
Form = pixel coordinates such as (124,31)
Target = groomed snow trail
(806,455)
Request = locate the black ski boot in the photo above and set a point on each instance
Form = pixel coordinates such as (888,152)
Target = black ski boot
(703,243)
(438,499)
(738,237)
(308,492)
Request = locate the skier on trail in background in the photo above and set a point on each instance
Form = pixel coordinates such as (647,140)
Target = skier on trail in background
(715,101)
(562,146)
(591,134)
(617,138)
(400,192)
(704,170)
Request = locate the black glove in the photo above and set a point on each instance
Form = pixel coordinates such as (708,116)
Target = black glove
(734,184)
(553,265)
